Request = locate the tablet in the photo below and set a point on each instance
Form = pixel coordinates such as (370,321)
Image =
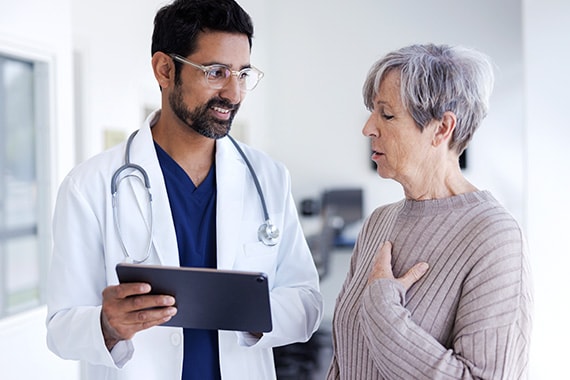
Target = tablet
(211,299)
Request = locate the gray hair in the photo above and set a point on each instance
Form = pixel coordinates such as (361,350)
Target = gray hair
(435,79)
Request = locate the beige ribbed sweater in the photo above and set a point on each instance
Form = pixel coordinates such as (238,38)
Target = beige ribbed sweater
(467,318)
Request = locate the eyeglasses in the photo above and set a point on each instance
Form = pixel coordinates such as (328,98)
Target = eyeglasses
(217,76)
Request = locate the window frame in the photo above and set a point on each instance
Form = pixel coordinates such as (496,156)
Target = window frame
(44,112)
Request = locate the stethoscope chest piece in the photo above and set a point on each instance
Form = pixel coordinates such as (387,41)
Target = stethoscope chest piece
(268,233)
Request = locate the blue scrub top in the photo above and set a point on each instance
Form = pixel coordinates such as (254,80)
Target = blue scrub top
(194,214)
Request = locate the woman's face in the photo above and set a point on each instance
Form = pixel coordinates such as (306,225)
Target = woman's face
(398,146)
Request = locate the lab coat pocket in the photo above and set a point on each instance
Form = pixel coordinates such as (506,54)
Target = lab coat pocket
(258,257)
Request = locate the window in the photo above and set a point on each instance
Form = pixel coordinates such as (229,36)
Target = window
(24,243)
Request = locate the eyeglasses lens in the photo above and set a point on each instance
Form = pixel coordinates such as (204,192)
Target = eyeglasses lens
(219,76)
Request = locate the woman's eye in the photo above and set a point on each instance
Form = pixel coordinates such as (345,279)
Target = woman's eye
(386,116)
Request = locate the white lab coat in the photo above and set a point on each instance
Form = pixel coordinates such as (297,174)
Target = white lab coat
(87,248)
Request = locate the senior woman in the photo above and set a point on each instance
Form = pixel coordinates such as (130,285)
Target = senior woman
(438,285)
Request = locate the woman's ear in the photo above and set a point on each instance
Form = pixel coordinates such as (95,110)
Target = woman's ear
(445,128)
(163,68)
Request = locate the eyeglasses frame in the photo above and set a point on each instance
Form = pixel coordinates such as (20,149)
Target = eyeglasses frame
(206,69)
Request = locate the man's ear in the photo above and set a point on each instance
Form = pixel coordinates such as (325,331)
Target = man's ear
(445,128)
(163,68)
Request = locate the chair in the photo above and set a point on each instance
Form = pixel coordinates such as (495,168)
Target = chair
(340,209)
(345,206)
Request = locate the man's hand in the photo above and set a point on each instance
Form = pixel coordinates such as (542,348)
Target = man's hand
(128,309)
(382,268)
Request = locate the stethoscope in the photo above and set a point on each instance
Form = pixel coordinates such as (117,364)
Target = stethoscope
(267,233)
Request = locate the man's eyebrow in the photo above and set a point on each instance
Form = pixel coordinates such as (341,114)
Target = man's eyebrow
(214,63)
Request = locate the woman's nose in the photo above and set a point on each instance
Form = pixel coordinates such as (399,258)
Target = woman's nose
(369,129)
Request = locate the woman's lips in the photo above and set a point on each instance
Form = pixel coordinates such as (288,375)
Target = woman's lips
(376,155)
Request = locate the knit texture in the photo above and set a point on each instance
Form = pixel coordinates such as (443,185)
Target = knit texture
(467,318)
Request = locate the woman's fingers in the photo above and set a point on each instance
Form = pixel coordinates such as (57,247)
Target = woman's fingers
(382,268)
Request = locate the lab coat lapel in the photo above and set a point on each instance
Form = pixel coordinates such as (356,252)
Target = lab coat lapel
(230,180)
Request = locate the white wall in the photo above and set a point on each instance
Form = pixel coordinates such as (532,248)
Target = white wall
(40,30)
(547,78)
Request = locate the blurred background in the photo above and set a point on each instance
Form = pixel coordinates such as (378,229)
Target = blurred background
(75,78)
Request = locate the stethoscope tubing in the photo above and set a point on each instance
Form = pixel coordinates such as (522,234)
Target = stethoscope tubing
(268,233)
(115,180)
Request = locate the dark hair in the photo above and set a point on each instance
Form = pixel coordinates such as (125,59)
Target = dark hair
(435,79)
(177,25)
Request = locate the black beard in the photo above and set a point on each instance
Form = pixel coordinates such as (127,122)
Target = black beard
(199,119)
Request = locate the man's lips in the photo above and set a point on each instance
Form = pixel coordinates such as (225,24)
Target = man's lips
(221,112)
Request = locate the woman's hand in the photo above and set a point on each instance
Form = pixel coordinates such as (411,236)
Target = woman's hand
(382,268)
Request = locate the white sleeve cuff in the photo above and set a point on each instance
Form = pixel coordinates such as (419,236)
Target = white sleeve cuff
(246,339)
(122,352)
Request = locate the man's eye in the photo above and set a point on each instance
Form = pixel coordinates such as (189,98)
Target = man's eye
(218,72)
(386,116)
(244,74)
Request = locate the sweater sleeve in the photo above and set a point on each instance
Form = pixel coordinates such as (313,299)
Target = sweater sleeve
(334,370)
(491,329)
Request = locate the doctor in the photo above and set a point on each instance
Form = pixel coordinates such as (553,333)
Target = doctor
(205,211)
